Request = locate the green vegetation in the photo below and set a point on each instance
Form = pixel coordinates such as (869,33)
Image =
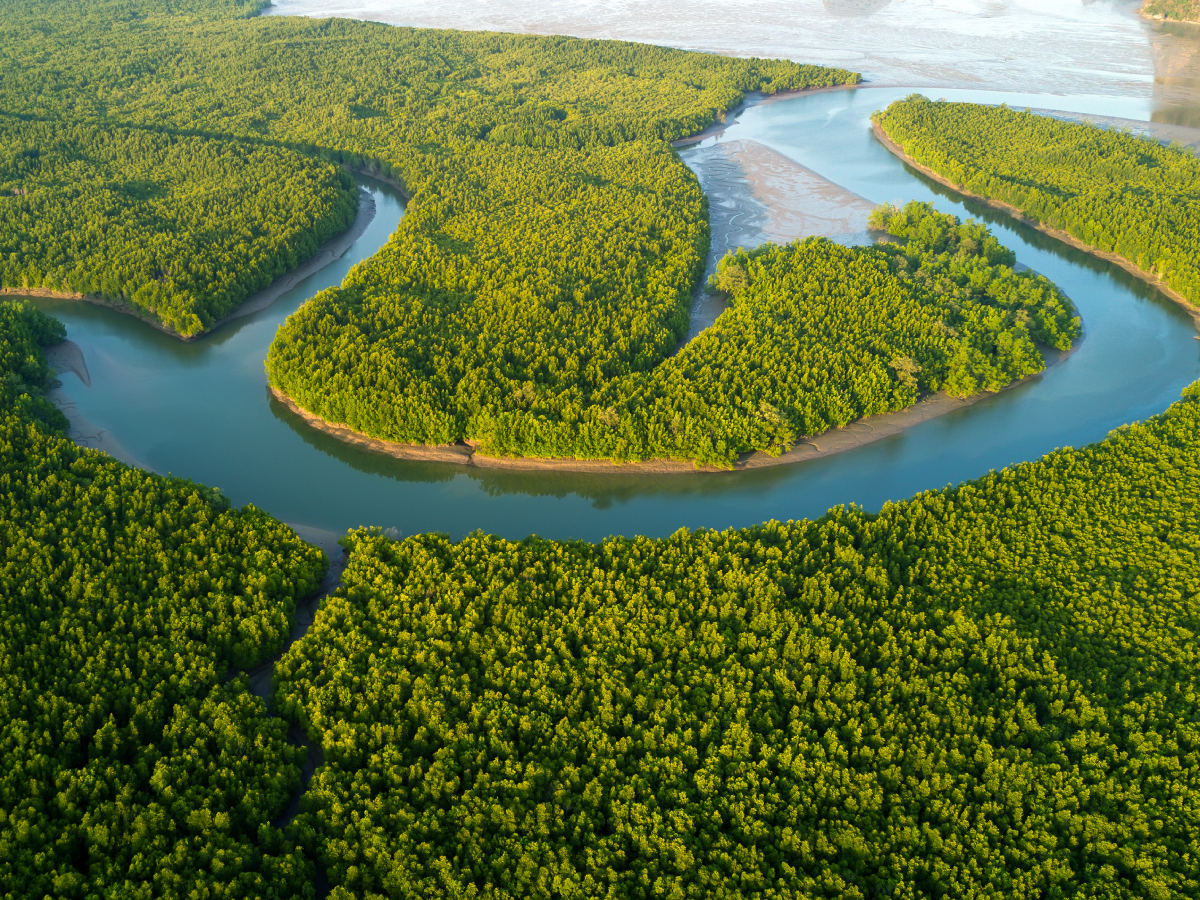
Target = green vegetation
(983,692)
(988,691)
(818,335)
(1180,10)
(553,239)
(1118,193)
(132,766)
(181,229)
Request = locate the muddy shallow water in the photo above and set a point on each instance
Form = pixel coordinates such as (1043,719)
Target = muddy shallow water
(202,410)
(1064,46)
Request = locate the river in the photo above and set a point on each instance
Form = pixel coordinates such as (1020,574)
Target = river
(202,410)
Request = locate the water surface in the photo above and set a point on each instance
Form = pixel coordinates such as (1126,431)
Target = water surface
(202,410)
(1064,46)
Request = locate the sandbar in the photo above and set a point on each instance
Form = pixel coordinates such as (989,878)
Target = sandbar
(755,196)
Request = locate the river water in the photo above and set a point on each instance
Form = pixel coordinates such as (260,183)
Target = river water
(1098,47)
(202,410)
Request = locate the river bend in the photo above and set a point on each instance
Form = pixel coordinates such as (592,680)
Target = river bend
(202,410)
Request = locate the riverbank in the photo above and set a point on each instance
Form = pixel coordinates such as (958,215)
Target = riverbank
(1192,16)
(836,440)
(754,98)
(755,195)
(1056,233)
(326,254)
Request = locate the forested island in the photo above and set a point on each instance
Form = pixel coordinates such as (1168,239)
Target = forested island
(986,691)
(1114,193)
(818,335)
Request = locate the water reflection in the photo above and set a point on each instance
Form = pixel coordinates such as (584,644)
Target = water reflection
(1176,51)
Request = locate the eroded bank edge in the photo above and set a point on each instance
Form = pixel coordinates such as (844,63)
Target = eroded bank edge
(858,433)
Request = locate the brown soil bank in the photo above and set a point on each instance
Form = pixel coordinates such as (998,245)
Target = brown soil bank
(326,254)
(776,199)
(836,440)
(1064,236)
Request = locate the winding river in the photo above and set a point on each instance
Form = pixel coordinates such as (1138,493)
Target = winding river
(202,410)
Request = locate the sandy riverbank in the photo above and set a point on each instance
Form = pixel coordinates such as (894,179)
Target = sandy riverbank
(1064,236)
(327,253)
(755,196)
(836,440)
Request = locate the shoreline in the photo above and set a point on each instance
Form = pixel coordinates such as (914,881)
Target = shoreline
(326,254)
(1142,14)
(858,433)
(754,98)
(1058,234)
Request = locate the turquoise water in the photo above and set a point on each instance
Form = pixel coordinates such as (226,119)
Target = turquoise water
(202,410)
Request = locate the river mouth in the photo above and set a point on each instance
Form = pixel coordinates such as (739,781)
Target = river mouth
(202,410)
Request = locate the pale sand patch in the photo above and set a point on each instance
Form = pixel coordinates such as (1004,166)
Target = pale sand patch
(755,196)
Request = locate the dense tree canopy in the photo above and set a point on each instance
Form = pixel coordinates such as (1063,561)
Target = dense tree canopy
(1118,193)
(133,766)
(818,335)
(988,691)
(553,239)
(180,228)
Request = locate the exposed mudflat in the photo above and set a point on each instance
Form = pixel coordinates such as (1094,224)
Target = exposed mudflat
(87,434)
(1096,48)
(756,195)
(67,356)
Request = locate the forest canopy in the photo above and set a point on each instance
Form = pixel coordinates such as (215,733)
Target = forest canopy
(986,691)
(1113,191)
(179,228)
(1179,10)
(134,764)
(553,238)
(817,335)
